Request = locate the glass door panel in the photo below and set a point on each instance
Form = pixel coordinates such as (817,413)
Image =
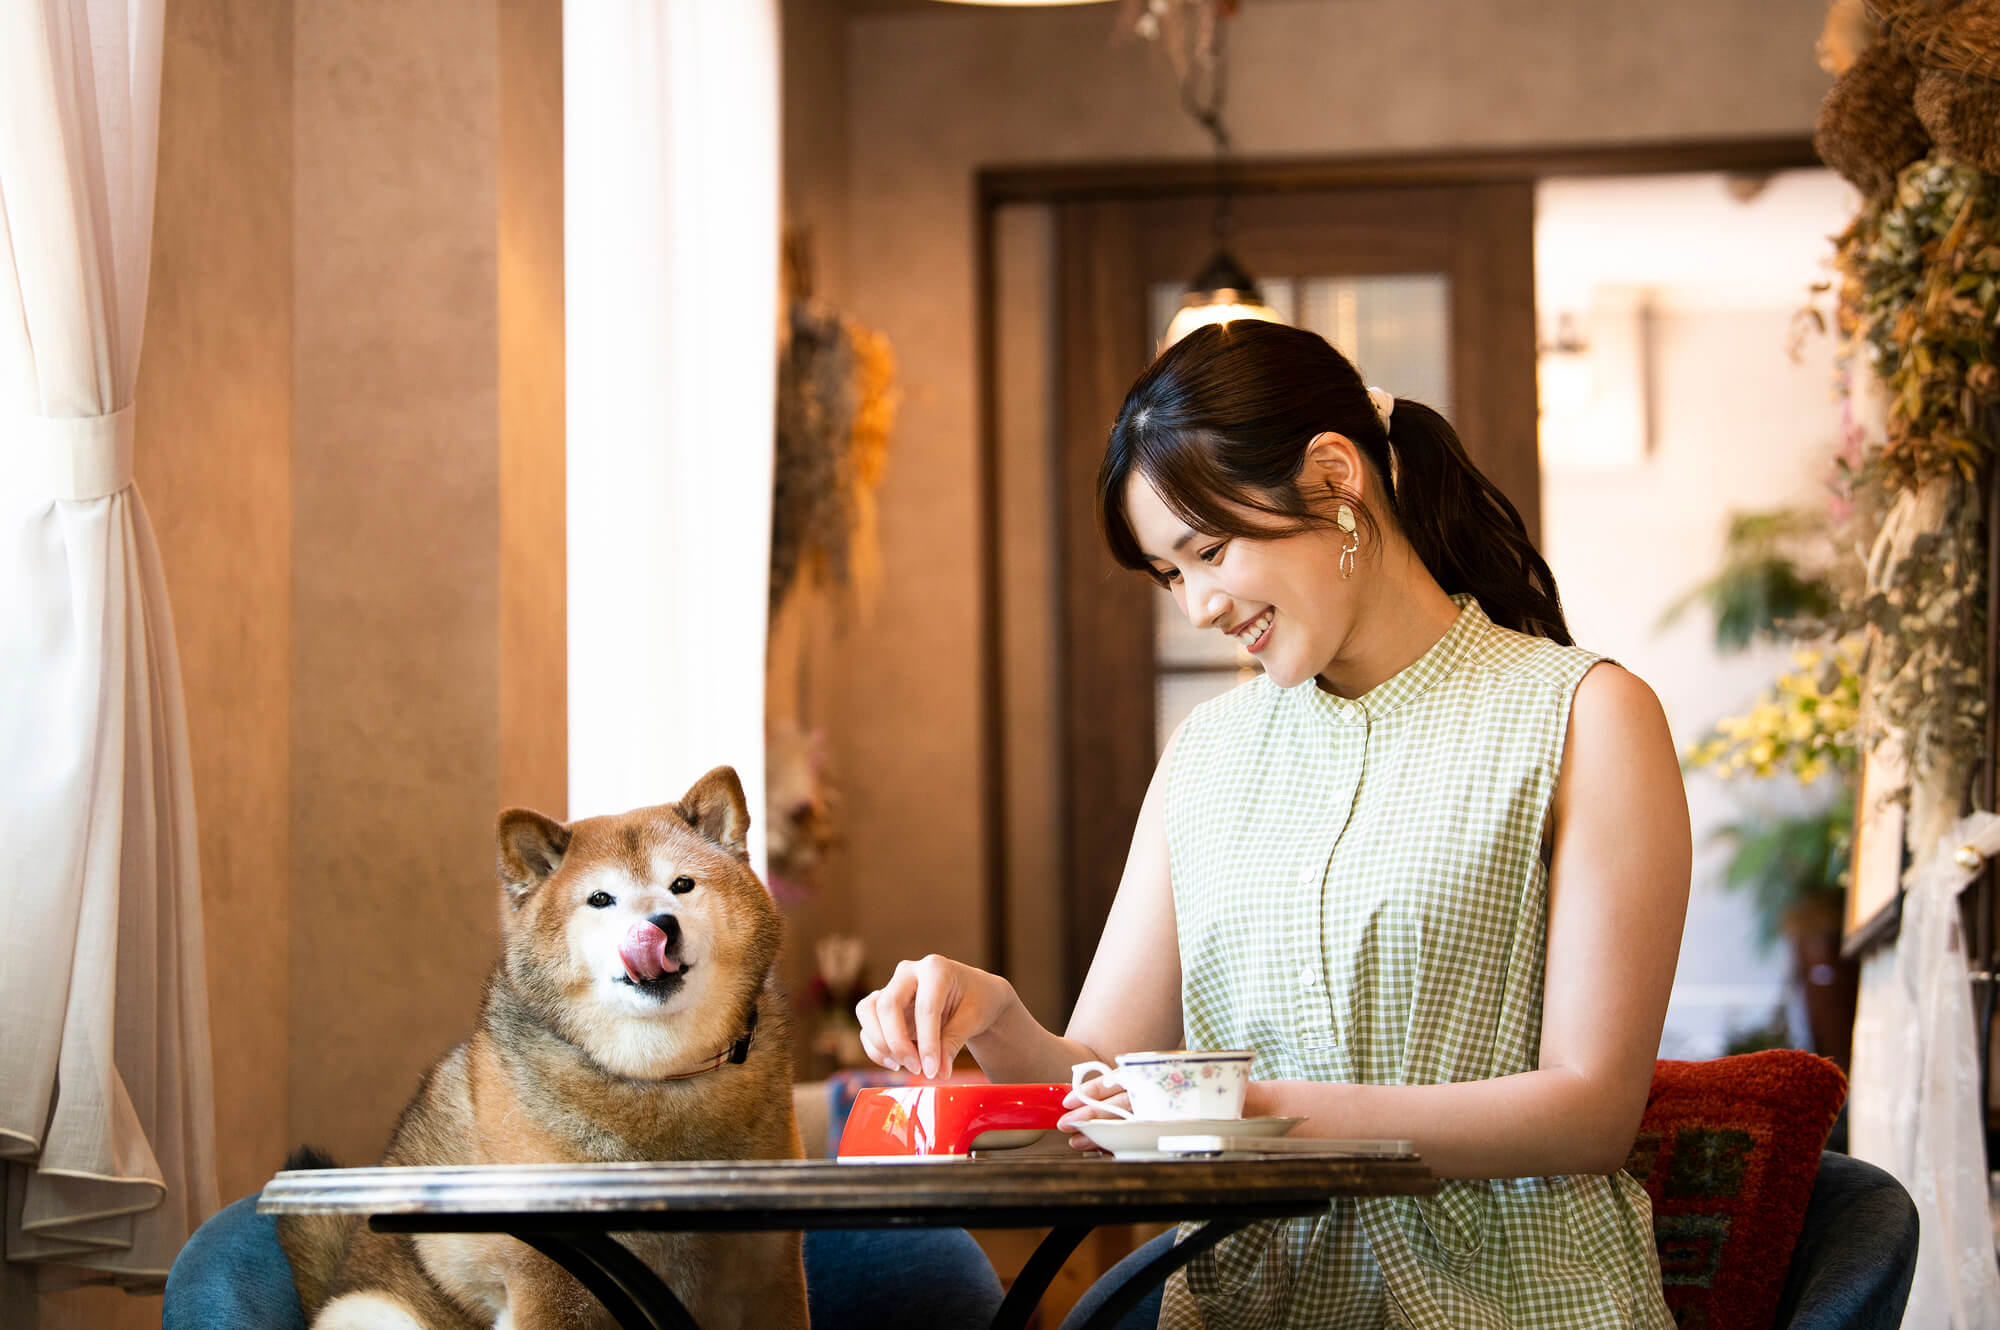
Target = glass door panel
(1395,328)
(1190,665)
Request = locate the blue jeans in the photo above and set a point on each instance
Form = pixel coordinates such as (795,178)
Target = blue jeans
(233,1275)
(1142,1317)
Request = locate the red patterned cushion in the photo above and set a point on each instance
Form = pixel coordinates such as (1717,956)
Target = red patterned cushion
(1728,1150)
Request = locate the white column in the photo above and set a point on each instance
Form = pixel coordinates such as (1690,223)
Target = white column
(670,182)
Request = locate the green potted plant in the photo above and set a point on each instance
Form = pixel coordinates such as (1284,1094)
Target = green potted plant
(1791,864)
(1760,592)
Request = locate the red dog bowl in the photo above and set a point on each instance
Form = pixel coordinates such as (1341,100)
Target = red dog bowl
(913,1121)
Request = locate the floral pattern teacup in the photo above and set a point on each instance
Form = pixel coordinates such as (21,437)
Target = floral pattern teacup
(1176,1085)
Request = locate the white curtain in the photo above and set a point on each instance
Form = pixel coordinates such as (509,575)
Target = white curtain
(670,185)
(1914,1108)
(106,1118)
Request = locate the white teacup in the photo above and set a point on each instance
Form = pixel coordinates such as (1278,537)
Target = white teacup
(1175,1085)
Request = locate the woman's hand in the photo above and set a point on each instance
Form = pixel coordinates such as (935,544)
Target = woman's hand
(928,1011)
(1085,1103)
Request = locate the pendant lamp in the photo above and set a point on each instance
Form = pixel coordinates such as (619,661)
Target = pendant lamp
(1222,291)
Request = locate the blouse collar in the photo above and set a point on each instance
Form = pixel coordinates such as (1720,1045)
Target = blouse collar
(1408,683)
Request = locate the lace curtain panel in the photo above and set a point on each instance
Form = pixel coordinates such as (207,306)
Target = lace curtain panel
(1915,1108)
(106,1121)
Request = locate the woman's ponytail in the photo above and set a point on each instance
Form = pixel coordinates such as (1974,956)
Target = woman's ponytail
(1465,530)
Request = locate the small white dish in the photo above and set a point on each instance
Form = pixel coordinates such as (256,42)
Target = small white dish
(1140,1139)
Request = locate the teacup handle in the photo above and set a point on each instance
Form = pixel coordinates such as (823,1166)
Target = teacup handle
(1083,1071)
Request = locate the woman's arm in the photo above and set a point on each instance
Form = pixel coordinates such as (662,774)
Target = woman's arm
(1618,887)
(1131,999)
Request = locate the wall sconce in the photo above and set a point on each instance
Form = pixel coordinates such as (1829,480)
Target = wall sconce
(1595,380)
(1562,370)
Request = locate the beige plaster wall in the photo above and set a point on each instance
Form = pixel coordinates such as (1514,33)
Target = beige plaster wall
(936,93)
(534,662)
(805,633)
(814,92)
(213,460)
(213,463)
(428,604)
(396,571)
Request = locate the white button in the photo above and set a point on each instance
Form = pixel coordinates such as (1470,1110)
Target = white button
(1308,977)
(1307,876)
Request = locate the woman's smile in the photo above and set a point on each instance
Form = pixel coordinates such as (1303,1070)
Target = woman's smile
(1255,634)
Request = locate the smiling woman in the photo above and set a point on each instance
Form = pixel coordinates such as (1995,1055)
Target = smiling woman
(1431,863)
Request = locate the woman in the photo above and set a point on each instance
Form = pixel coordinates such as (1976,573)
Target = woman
(1432,864)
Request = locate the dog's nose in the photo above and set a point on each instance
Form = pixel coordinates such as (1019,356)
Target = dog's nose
(669,925)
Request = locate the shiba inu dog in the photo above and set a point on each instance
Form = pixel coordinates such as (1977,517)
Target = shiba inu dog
(632,1016)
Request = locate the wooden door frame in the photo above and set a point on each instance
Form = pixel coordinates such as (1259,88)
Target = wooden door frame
(998,186)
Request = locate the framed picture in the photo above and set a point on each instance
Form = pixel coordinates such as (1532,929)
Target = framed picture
(1877,860)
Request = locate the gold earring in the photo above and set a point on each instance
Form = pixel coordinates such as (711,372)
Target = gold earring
(1343,518)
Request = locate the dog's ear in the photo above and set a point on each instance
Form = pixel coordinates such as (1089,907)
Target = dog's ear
(715,807)
(531,848)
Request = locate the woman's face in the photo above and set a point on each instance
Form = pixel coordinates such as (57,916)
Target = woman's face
(1282,597)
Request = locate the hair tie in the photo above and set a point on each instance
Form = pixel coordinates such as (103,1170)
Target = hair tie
(1384,403)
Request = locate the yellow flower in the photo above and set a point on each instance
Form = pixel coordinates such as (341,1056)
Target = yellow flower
(1794,727)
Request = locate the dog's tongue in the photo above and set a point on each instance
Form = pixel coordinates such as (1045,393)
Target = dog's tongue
(644,951)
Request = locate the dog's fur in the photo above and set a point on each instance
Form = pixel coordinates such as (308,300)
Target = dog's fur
(569,1065)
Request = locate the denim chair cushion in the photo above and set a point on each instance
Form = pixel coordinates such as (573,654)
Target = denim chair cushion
(1856,1253)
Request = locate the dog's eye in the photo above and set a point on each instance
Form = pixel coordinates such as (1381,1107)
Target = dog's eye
(681,886)
(599,899)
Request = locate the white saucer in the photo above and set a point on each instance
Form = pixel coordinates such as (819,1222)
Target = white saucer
(1140,1139)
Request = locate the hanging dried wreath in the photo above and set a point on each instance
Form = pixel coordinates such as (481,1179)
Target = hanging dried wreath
(1921,288)
(1930,71)
(835,409)
(1920,304)
(836,406)
(812,469)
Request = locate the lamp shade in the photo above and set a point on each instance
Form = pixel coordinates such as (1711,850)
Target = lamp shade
(1220,293)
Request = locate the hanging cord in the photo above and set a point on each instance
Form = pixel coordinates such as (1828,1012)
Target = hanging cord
(1207,111)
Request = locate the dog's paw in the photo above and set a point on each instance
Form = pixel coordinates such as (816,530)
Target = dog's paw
(367,1311)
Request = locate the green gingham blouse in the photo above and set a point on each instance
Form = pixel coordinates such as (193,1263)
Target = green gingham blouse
(1361,897)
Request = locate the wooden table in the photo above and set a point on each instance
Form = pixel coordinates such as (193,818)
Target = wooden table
(569,1213)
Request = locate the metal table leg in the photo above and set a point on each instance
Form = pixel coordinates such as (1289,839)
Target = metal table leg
(637,1298)
(1154,1272)
(1033,1281)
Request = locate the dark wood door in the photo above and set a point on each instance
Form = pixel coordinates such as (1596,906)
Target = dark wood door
(1473,247)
